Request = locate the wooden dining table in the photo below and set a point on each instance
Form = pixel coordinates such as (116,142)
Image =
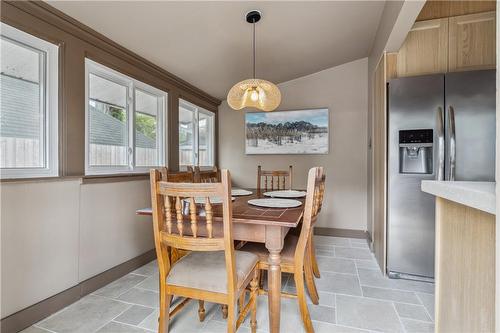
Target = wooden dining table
(262,225)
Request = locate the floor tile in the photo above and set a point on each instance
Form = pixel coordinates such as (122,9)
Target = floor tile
(148,269)
(134,315)
(348,269)
(34,329)
(367,314)
(415,326)
(325,299)
(353,253)
(86,315)
(324,253)
(120,286)
(339,283)
(150,283)
(327,240)
(320,327)
(216,327)
(368,264)
(361,243)
(374,278)
(322,313)
(428,302)
(409,311)
(141,297)
(336,265)
(113,327)
(390,295)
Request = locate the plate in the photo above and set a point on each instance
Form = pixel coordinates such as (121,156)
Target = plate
(201,200)
(275,203)
(240,192)
(286,194)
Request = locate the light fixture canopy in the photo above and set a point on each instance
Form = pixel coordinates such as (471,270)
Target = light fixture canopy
(256,93)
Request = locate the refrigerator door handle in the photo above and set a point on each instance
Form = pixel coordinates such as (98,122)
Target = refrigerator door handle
(440,136)
(453,148)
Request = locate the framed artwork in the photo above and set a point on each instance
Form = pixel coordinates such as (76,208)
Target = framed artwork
(287,132)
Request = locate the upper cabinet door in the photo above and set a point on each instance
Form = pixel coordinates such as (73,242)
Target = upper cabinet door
(472,42)
(425,50)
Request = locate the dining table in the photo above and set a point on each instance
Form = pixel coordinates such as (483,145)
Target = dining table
(262,225)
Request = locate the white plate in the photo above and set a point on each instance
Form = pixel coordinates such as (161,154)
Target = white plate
(286,194)
(201,200)
(240,192)
(275,203)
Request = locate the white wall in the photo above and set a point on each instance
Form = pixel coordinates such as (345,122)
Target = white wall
(343,90)
(56,234)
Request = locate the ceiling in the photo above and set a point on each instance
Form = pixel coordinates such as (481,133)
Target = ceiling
(209,44)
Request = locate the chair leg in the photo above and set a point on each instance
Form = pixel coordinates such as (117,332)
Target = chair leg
(309,278)
(301,297)
(254,286)
(224,311)
(314,262)
(201,310)
(241,301)
(164,310)
(231,320)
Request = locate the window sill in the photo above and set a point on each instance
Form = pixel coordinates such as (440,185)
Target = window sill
(99,179)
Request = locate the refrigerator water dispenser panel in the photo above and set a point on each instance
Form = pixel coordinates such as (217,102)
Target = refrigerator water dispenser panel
(415,151)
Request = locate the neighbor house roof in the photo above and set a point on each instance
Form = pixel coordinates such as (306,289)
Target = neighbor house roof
(20,118)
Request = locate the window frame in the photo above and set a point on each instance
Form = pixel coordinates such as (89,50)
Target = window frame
(95,68)
(196,110)
(49,85)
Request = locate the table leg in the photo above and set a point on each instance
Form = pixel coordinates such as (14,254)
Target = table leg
(274,244)
(274,296)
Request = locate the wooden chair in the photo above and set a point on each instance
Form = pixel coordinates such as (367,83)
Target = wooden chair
(314,262)
(213,271)
(177,177)
(206,176)
(295,255)
(274,180)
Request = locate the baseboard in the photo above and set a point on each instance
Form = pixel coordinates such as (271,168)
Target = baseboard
(36,312)
(336,232)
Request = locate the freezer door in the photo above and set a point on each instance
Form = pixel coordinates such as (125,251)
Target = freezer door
(470,126)
(415,103)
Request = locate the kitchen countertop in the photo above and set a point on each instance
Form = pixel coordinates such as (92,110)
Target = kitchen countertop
(478,195)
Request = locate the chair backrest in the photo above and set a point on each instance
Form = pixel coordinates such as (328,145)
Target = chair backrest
(315,194)
(206,176)
(274,179)
(177,177)
(190,231)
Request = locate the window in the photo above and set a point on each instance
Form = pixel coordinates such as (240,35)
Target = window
(125,123)
(28,105)
(196,135)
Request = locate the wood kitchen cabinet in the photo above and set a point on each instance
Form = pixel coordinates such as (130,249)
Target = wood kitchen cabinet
(472,42)
(459,43)
(465,268)
(379,148)
(425,50)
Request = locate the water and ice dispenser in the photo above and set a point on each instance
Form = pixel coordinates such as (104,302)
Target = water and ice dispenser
(415,151)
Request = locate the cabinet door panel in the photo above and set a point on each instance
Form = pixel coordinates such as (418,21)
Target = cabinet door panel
(425,50)
(472,42)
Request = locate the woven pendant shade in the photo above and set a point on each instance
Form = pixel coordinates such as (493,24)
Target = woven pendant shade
(254,93)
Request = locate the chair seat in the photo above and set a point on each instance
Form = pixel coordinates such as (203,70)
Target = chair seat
(207,270)
(287,254)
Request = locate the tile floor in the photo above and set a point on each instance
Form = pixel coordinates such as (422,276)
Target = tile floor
(354,297)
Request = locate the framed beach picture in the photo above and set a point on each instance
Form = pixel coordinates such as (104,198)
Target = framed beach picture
(287,132)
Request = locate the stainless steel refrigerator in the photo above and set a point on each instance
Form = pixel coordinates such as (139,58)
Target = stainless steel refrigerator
(440,127)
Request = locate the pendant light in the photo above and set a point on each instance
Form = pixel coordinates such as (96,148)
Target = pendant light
(256,93)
